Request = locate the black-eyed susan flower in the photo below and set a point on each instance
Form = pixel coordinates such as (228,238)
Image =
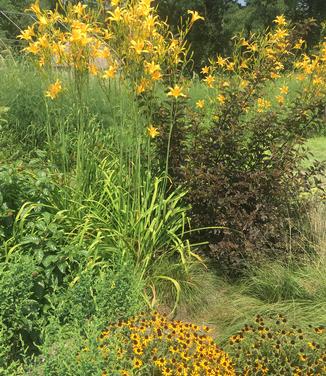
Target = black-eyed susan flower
(137,363)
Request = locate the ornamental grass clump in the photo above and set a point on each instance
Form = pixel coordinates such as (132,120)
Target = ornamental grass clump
(151,344)
(272,346)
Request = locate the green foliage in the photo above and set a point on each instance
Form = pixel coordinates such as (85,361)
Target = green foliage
(13,15)
(76,315)
(94,209)
(68,350)
(34,313)
(20,309)
(224,19)
(103,295)
(20,183)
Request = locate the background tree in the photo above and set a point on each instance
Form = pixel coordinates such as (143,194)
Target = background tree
(13,17)
(11,13)
(207,37)
(223,19)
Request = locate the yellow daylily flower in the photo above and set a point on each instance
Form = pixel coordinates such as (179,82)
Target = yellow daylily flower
(41,61)
(221,98)
(195,16)
(200,104)
(253,47)
(111,72)
(79,8)
(27,34)
(54,90)
(299,44)
(156,76)
(317,81)
(230,66)
(280,20)
(205,70)
(142,86)
(33,48)
(244,65)
(280,99)
(221,61)
(152,131)
(138,46)
(210,80)
(263,104)
(35,8)
(275,75)
(176,92)
(243,84)
(93,70)
(116,15)
(152,67)
(284,90)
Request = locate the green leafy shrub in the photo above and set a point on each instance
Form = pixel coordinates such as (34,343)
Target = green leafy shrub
(29,224)
(77,315)
(20,183)
(20,309)
(35,314)
(68,350)
(103,295)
